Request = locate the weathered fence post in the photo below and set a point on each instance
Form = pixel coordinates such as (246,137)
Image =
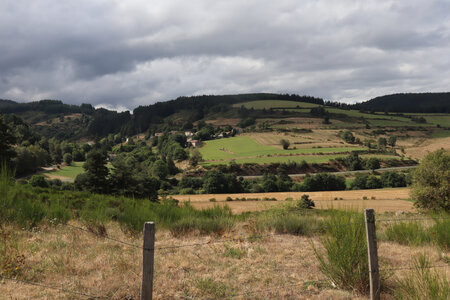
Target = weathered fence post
(374,273)
(148,255)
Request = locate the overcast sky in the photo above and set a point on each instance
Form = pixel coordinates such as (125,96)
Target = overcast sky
(123,54)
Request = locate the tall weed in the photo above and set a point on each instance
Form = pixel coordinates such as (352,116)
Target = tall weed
(344,258)
(440,233)
(407,233)
(423,282)
(289,223)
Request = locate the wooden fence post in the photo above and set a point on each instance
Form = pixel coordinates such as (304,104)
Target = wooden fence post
(374,274)
(148,255)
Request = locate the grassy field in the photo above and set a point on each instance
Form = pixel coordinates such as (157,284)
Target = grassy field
(295,158)
(245,148)
(441,134)
(277,159)
(377,119)
(67,172)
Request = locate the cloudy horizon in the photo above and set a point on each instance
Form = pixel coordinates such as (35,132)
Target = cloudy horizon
(122,54)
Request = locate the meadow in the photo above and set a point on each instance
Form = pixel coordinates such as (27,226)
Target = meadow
(377,119)
(243,147)
(67,172)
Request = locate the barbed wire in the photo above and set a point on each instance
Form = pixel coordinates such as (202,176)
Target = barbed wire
(105,237)
(321,228)
(50,287)
(413,219)
(414,268)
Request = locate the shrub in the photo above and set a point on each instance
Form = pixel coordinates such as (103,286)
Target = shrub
(39,181)
(393,179)
(229,199)
(423,282)
(410,233)
(321,182)
(373,182)
(68,158)
(344,259)
(305,203)
(285,144)
(431,182)
(359,182)
(372,163)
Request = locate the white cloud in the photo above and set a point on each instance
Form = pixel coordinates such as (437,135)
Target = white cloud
(129,53)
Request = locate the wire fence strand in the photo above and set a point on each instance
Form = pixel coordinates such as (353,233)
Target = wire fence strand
(413,268)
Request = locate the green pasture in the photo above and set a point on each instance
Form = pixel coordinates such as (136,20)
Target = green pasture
(277,159)
(441,133)
(267,104)
(443,120)
(377,119)
(295,158)
(69,171)
(245,147)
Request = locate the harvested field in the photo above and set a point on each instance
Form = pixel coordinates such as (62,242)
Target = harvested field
(385,200)
(381,206)
(428,146)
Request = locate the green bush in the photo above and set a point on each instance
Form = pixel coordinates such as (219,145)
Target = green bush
(344,259)
(38,181)
(423,282)
(305,203)
(431,182)
(407,233)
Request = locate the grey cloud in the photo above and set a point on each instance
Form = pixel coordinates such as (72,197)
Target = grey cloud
(127,53)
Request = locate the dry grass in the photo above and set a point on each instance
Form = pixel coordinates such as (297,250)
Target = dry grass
(224,121)
(428,146)
(277,267)
(385,200)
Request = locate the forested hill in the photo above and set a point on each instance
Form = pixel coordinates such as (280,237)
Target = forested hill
(409,103)
(144,116)
(53,118)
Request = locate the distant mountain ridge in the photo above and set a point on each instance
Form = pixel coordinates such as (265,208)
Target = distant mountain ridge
(65,121)
(409,103)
